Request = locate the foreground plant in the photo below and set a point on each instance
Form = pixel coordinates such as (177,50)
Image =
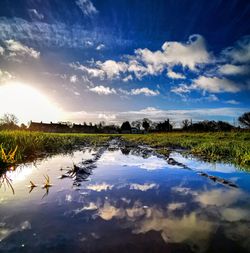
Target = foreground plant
(7,159)
(47,182)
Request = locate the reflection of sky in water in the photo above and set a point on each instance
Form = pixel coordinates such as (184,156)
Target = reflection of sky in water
(129,203)
(116,158)
(196,164)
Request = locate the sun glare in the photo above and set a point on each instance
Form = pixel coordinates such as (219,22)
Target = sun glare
(27,103)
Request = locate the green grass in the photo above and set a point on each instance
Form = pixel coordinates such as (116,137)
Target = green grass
(31,145)
(219,146)
(231,147)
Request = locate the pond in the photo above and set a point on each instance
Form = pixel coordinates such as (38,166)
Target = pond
(120,199)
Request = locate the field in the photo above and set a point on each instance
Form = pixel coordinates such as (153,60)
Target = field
(231,147)
(31,145)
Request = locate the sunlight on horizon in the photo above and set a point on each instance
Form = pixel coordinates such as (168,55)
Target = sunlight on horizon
(27,103)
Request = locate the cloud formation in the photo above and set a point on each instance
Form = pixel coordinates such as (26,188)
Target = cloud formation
(146,62)
(5,76)
(240,52)
(215,84)
(87,7)
(156,114)
(15,50)
(34,14)
(102,90)
(145,91)
(174,75)
(230,69)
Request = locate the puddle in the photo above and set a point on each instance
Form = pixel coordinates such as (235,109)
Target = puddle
(128,200)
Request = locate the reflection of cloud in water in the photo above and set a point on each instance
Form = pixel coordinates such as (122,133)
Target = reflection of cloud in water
(107,212)
(220,197)
(90,207)
(116,158)
(143,187)
(195,164)
(175,206)
(235,214)
(20,173)
(68,198)
(100,187)
(188,228)
(195,226)
(238,231)
(6,232)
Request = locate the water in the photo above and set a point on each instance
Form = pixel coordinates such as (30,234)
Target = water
(125,201)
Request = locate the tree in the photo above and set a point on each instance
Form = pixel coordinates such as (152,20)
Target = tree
(165,126)
(186,123)
(146,123)
(137,124)
(244,119)
(8,119)
(126,126)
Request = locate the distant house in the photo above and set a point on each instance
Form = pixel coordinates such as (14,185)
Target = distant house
(79,128)
(51,128)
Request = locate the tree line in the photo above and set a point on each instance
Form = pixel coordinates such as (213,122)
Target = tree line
(10,122)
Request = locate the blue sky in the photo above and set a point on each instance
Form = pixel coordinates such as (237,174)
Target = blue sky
(115,60)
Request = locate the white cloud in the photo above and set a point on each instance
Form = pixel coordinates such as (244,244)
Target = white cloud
(215,84)
(34,14)
(89,43)
(93,72)
(145,91)
(100,47)
(4,76)
(77,93)
(56,34)
(181,89)
(102,90)
(174,75)
(232,102)
(107,117)
(135,67)
(229,69)
(240,53)
(111,68)
(155,114)
(146,62)
(188,54)
(73,79)
(1,50)
(16,49)
(87,7)
(127,78)
(211,97)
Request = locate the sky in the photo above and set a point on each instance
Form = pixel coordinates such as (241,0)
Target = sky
(110,60)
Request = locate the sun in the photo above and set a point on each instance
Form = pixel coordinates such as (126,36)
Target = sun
(27,103)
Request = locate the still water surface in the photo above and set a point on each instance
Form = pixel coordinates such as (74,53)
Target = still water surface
(125,201)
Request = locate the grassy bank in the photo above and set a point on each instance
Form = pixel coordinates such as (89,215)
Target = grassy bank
(36,144)
(226,146)
(218,146)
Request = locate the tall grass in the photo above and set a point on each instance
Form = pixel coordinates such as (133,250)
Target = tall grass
(225,146)
(35,144)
